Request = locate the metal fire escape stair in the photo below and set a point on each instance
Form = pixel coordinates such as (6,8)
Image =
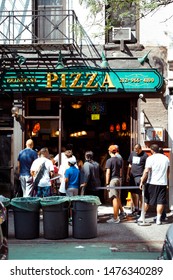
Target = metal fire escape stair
(32,45)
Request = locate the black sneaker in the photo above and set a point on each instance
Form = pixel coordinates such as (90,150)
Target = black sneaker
(122,215)
(134,213)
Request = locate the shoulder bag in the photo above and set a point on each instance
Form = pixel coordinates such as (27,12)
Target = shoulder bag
(37,179)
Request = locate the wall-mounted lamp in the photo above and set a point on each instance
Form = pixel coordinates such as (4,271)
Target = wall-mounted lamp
(15,112)
(34,134)
(18,117)
(36,128)
(141,95)
(55,133)
(20,59)
(111,128)
(104,63)
(60,64)
(124,126)
(117,127)
(144,59)
(76,105)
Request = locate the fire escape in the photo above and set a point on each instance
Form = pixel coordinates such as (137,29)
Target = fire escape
(43,39)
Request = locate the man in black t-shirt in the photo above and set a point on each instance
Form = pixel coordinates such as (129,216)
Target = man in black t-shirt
(90,175)
(135,170)
(113,176)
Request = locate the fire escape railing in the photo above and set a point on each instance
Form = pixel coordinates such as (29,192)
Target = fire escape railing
(41,26)
(44,27)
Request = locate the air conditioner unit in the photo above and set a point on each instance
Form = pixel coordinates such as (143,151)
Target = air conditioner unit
(121,34)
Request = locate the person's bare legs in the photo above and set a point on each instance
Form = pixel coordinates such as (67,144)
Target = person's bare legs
(140,201)
(146,206)
(159,209)
(115,203)
(135,200)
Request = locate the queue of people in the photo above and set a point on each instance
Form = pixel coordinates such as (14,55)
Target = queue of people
(40,172)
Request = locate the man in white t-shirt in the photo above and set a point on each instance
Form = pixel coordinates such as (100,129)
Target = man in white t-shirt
(62,168)
(44,184)
(156,175)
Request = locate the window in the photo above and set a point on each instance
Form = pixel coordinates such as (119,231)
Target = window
(51,25)
(121,19)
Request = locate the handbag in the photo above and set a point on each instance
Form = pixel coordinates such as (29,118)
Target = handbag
(37,180)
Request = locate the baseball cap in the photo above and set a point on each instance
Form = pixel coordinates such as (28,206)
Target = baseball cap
(72,161)
(112,149)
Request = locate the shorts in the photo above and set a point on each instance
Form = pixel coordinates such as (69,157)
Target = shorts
(155,194)
(135,181)
(115,182)
(72,192)
(43,191)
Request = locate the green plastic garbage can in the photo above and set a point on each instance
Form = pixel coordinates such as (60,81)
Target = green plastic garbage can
(26,217)
(55,217)
(84,216)
(4,226)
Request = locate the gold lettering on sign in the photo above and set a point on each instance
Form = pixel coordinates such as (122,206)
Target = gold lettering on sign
(91,80)
(76,80)
(51,77)
(63,81)
(107,81)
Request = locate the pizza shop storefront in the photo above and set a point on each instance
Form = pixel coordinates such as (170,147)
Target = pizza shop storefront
(89,108)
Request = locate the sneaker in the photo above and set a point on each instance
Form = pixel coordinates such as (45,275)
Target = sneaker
(140,220)
(139,213)
(122,215)
(158,220)
(113,220)
(162,219)
(136,213)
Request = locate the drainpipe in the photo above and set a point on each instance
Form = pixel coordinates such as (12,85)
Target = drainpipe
(60,129)
(170,133)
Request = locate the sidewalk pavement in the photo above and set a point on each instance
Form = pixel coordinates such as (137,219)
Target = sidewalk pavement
(112,240)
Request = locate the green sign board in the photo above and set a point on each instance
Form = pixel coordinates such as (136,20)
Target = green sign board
(82,81)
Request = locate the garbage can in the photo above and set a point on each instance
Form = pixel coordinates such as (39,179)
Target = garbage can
(26,217)
(4,226)
(84,216)
(55,217)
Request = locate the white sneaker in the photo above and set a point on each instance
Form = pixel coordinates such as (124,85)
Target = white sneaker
(113,220)
(158,222)
(140,220)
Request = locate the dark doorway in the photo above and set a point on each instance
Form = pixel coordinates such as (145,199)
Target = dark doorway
(5,162)
(94,126)
(103,123)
